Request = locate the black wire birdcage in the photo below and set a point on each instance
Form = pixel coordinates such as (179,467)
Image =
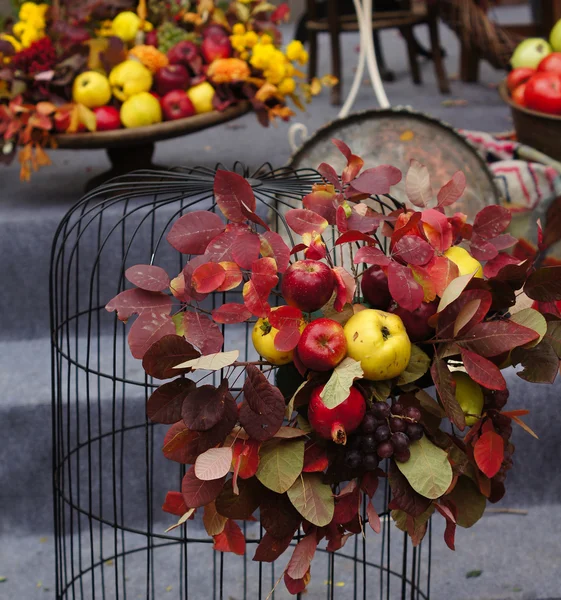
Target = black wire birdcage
(109,475)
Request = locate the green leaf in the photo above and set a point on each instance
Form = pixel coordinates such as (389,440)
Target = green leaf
(380,390)
(337,389)
(473,573)
(419,364)
(553,336)
(531,319)
(313,499)
(280,463)
(428,471)
(469,501)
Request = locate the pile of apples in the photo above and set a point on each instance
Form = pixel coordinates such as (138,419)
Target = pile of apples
(535,80)
(131,96)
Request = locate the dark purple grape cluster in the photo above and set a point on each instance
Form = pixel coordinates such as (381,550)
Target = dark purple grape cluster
(385,432)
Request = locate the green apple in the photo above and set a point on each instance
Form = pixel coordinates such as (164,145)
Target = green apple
(555,37)
(530,53)
(469,396)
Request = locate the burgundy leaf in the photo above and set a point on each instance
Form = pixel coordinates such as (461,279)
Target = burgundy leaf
(491,221)
(196,492)
(373,518)
(203,407)
(220,248)
(270,548)
(165,354)
(164,405)
(450,531)
(302,220)
(496,337)
(341,219)
(452,191)
(208,278)
(377,180)
(302,556)
(413,250)
(200,331)
(285,316)
(256,291)
(137,301)
(354,236)
(448,317)
(354,165)
(343,148)
(189,290)
(481,249)
(231,313)
(323,202)
(272,245)
(174,504)
(242,505)
(404,497)
(404,289)
(231,191)
(371,256)
(442,271)
(544,284)
(192,232)
(410,226)
(148,277)
(330,175)
(446,389)
(483,371)
(365,221)
(504,241)
(492,267)
(231,539)
(262,411)
(287,338)
(245,249)
(345,287)
(182,445)
(147,330)
(347,504)
(277,514)
(296,586)
(437,229)
(417,184)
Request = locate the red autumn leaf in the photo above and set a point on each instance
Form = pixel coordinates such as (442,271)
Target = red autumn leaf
(347,504)
(437,229)
(164,405)
(492,267)
(417,184)
(483,371)
(377,180)
(369,483)
(208,278)
(504,241)
(371,256)
(413,250)
(315,458)
(147,330)
(204,407)
(373,518)
(219,249)
(281,13)
(481,249)
(448,317)
(245,249)
(258,304)
(137,301)
(330,175)
(345,286)
(446,388)
(343,148)
(231,539)
(491,221)
(180,444)
(197,492)
(148,277)
(302,220)
(316,248)
(341,219)
(364,219)
(233,277)
(231,192)
(495,337)
(296,586)
(287,338)
(354,236)
(354,165)
(270,548)
(189,292)
(452,191)
(449,515)
(323,202)
(175,504)
(410,221)
(203,333)
(285,316)
(489,453)
(442,272)
(247,453)
(298,248)
(404,289)
(303,554)
(192,232)
(544,284)
(404,497)
(272,245)
(256,291)
(231,313)
(167,353)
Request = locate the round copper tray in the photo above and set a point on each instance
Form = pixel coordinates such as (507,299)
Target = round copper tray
(122,138)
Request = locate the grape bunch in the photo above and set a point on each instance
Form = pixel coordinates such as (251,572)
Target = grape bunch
(384,432)
(169,35)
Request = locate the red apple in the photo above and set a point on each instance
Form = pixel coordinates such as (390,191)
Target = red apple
(518,94)
(107,118)
(375,289)
(543,93)
(176,105)
(308,285)
(518,76)
(183,53)
(62,120)
(551,63)
(151,38)
(170,78)
(322,345)
(417,322)
(215,45)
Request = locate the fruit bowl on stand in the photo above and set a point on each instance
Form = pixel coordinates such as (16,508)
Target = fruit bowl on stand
(130,149)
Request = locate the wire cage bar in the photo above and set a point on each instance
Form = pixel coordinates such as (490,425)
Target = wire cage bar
(109,475)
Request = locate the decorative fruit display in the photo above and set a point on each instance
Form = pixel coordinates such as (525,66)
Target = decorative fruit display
(351,410)
(337,422)
(140,109)
(63,63)
(308,285)
(322,345)
(530,53)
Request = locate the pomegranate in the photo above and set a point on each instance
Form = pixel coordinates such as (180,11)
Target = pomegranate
(336,423)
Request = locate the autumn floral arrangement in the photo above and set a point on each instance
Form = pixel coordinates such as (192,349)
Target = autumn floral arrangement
(375,304)
(66,69)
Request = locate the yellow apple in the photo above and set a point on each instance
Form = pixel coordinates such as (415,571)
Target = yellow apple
(91,89)
(129,78)
(201,96)
(469,396)
(263,338)
(125,25)
(465,261)
(378,341)
(140,110)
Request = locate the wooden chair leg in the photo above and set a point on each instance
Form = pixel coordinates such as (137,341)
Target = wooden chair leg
(313,60)
(385,73)
(469,65)
(333,22)
(407,33)
(440,69)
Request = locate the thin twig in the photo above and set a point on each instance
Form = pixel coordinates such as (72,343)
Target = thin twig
(506,511)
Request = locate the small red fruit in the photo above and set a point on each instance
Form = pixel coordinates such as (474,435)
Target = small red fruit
(216,44)
(322,345)
(107,118)
(171,77)
(62,120)
(518,96)
(417,322)
(308,285)
(518,76)
(183,53)
(176,105)
(375,289)
(336,423)
(543,93)
(551,63)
